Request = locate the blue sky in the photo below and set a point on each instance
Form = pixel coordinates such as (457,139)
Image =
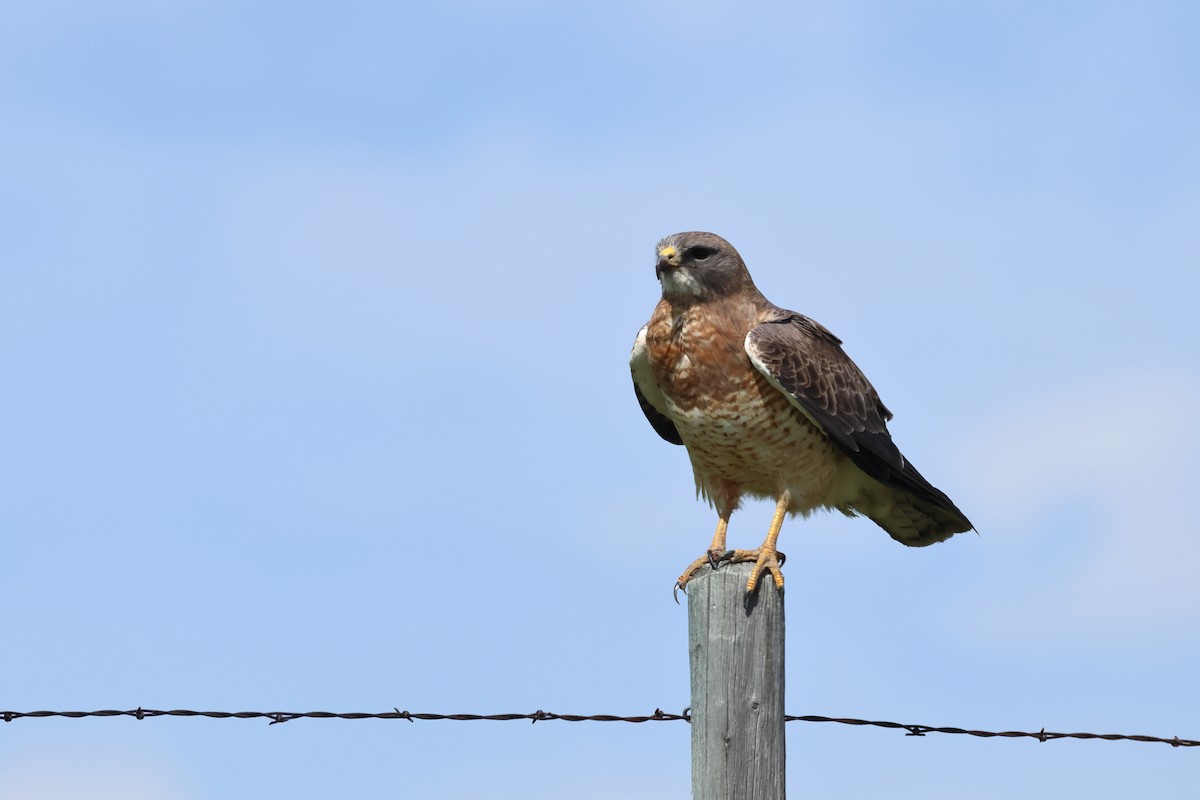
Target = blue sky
(314,325)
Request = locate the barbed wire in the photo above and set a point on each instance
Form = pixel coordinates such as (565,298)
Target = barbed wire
(659,715)
(1042,736)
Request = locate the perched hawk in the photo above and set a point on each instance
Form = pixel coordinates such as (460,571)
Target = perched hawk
(768,405)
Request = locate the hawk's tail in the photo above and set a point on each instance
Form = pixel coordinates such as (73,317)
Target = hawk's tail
(917,521)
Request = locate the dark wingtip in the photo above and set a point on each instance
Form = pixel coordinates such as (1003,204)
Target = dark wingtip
(662,424)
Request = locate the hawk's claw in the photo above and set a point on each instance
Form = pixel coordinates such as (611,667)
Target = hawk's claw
(766,560)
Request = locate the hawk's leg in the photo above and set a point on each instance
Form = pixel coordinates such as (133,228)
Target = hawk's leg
(765,557)
(712,557)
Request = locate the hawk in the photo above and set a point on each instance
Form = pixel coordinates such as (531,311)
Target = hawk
(769,406)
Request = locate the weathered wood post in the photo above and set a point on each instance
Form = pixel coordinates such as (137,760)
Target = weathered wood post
(735,642)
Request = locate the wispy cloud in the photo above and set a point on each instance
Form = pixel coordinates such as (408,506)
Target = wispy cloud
(1089,490)
(117,778)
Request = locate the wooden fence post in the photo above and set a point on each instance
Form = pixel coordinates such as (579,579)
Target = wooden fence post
(735,642)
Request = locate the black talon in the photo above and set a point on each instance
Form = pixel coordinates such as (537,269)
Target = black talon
(782,558)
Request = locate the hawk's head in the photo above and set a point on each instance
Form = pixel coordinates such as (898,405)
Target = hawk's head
(699,266)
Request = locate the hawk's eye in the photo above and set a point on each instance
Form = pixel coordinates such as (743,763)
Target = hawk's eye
(700,253)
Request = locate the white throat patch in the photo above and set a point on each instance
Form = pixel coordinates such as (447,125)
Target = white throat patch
(680,282)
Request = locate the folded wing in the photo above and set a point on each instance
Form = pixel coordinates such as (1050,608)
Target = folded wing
(802,359)
(649,395)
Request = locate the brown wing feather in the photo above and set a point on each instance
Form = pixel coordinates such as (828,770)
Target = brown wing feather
(806,362)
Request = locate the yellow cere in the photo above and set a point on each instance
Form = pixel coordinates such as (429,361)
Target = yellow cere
(667,252)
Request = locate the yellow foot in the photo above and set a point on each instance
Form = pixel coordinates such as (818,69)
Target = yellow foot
(764,558)
(711,558)
(769,560)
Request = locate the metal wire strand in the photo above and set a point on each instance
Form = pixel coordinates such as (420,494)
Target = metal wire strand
(275,717)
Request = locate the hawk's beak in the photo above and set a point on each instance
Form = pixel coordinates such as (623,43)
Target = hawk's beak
(668,258)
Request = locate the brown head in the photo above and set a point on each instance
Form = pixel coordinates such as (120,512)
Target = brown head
(697,267)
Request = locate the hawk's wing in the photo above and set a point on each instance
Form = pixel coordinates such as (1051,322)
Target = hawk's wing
(800,358)
(649,396)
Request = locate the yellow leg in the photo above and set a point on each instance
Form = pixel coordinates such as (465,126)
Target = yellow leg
(766,557)
(718,542)
(714,553)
